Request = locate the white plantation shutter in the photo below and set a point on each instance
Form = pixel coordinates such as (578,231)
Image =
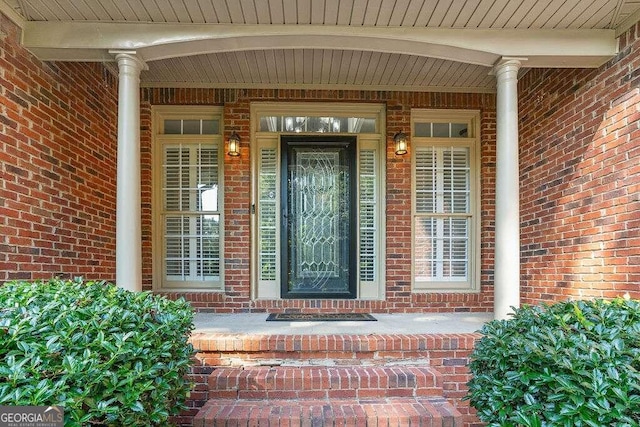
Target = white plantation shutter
(442,213)
(267,205)
(191,215)
(368,220)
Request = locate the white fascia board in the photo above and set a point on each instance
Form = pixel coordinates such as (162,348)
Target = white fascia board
(11,13)
(327,41)
(475,46)
(575,61)
(72,54)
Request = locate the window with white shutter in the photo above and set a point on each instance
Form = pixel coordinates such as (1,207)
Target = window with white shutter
(444,201)
(188,198)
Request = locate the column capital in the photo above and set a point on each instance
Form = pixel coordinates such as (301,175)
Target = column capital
(129,57)
(507,63)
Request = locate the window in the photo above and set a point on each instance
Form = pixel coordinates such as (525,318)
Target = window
(444,200)
(313,124)
(188,198)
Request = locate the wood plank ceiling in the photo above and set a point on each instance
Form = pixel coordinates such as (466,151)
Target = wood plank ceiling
(332,67)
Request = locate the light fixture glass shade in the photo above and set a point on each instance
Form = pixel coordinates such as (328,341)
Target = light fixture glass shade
(400,139)
(234,144)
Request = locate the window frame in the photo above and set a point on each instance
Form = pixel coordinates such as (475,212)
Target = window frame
(472,142)
(159,140)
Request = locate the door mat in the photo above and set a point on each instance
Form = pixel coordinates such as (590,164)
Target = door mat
(319,317)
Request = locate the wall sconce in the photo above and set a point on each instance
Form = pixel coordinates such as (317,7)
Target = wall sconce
(234,144)
(400,139)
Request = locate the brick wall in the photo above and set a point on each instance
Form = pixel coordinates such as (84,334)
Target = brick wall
(57,165)
(237,199)
(579,173)
(58,132)
(580,179)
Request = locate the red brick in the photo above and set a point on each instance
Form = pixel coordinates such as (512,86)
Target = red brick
(576,136)
(36,169)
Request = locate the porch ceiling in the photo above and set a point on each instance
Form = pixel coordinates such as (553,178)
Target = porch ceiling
(338,44)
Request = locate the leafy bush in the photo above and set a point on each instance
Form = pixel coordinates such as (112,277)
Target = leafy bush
(107,355)
(568,364)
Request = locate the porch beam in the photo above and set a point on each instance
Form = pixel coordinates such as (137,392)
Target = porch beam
(88,41)
(507,222)
(128,197)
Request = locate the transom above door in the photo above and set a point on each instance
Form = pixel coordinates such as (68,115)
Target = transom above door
(318,204)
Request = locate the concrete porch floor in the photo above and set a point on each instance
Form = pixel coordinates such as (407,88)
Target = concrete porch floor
(401,323)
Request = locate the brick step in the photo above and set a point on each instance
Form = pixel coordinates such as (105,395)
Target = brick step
(390,412)
(441,361)
(317,382)
(242,350)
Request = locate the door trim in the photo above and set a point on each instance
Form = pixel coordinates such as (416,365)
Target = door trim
(265,289)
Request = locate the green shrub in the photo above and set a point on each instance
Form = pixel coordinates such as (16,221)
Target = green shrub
(568,364)
(107,355)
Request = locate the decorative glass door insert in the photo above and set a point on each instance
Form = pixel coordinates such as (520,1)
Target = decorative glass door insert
(318,217)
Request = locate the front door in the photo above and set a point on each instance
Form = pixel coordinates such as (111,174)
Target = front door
(318,217)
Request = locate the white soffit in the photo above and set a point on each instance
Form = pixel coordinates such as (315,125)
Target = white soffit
(313,68)
(498,14)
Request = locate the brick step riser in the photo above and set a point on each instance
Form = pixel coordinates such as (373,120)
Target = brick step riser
(319,383)
(329,394)
(317,358)
(398,412)
(331,346)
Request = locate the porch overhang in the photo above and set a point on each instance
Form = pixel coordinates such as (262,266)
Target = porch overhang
(546,48)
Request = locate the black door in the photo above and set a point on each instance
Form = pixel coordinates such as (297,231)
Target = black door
(318,217)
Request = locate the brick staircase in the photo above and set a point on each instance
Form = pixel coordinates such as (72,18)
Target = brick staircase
(330,380)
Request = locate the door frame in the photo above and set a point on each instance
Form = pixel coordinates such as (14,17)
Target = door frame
(314,141)
(373,144)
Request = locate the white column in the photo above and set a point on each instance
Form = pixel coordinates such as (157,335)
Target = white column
(507,228)
(128,203)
